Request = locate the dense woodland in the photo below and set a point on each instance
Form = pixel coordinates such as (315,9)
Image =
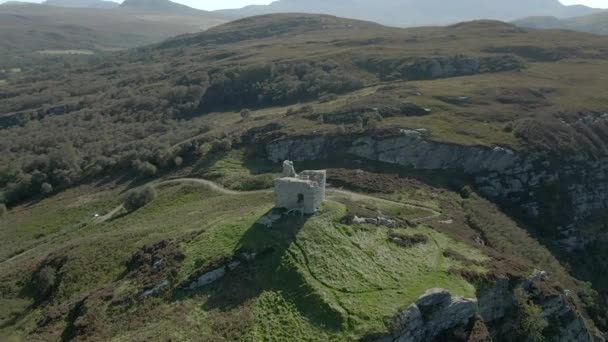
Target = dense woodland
(106,124)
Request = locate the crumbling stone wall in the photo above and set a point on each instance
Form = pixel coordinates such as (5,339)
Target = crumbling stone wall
(305,191)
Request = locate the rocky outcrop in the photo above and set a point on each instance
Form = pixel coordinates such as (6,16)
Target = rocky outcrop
(217,269)
(558,309)
(498,308)
(376,221)
(434,312)
(213,275)
(406,148)
(437,312)
(495,301)
(562,191)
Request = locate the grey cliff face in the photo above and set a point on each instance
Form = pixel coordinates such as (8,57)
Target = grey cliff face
(437,311)
(533,182)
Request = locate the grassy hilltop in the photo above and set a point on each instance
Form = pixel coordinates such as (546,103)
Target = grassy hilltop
(68,274)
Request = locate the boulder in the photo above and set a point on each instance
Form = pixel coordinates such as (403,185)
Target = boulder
(434,297)
(409,325)
(209,277)
(433,313)
(495,301)
(459,312)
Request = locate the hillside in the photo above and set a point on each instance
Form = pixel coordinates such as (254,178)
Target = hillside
(594,23)
(27,30)
(315,277)
(164,6)
(417,12)
(487,142)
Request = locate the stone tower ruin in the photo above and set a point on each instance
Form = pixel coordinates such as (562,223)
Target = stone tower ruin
(303,192)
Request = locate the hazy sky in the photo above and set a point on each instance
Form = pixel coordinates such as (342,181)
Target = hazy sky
(220,4)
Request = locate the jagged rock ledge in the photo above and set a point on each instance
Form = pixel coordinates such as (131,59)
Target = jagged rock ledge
(437,313)
(538,183)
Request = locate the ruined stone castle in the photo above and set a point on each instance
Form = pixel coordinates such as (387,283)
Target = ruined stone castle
(303,192)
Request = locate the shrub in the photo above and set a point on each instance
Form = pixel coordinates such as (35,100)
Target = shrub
(178,161)
(466,192)
(3,210)
(145,168)
(46,188)
(245,114)
(328,98)
(259,182)
(221,145)
(43,283)
(531,320)
(372,124)
(19,189)
(307,109)
(138,198)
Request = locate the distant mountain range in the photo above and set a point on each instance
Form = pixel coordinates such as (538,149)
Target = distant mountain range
(594,23)
(101,25)
(419,12)
(82,3)
(164,6)
(388,12)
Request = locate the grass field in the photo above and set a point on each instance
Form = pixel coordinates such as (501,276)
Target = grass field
(323,280)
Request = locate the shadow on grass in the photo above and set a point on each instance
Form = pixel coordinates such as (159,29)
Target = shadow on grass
(273,270)
(207,162)
(251,161)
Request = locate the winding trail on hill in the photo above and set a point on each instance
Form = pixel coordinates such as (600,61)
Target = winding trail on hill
(217,187)
(24,253)
(360,197)
(331,191)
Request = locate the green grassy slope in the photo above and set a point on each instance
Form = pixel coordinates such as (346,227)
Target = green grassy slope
(322,280)
(66,273)
(28,29)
